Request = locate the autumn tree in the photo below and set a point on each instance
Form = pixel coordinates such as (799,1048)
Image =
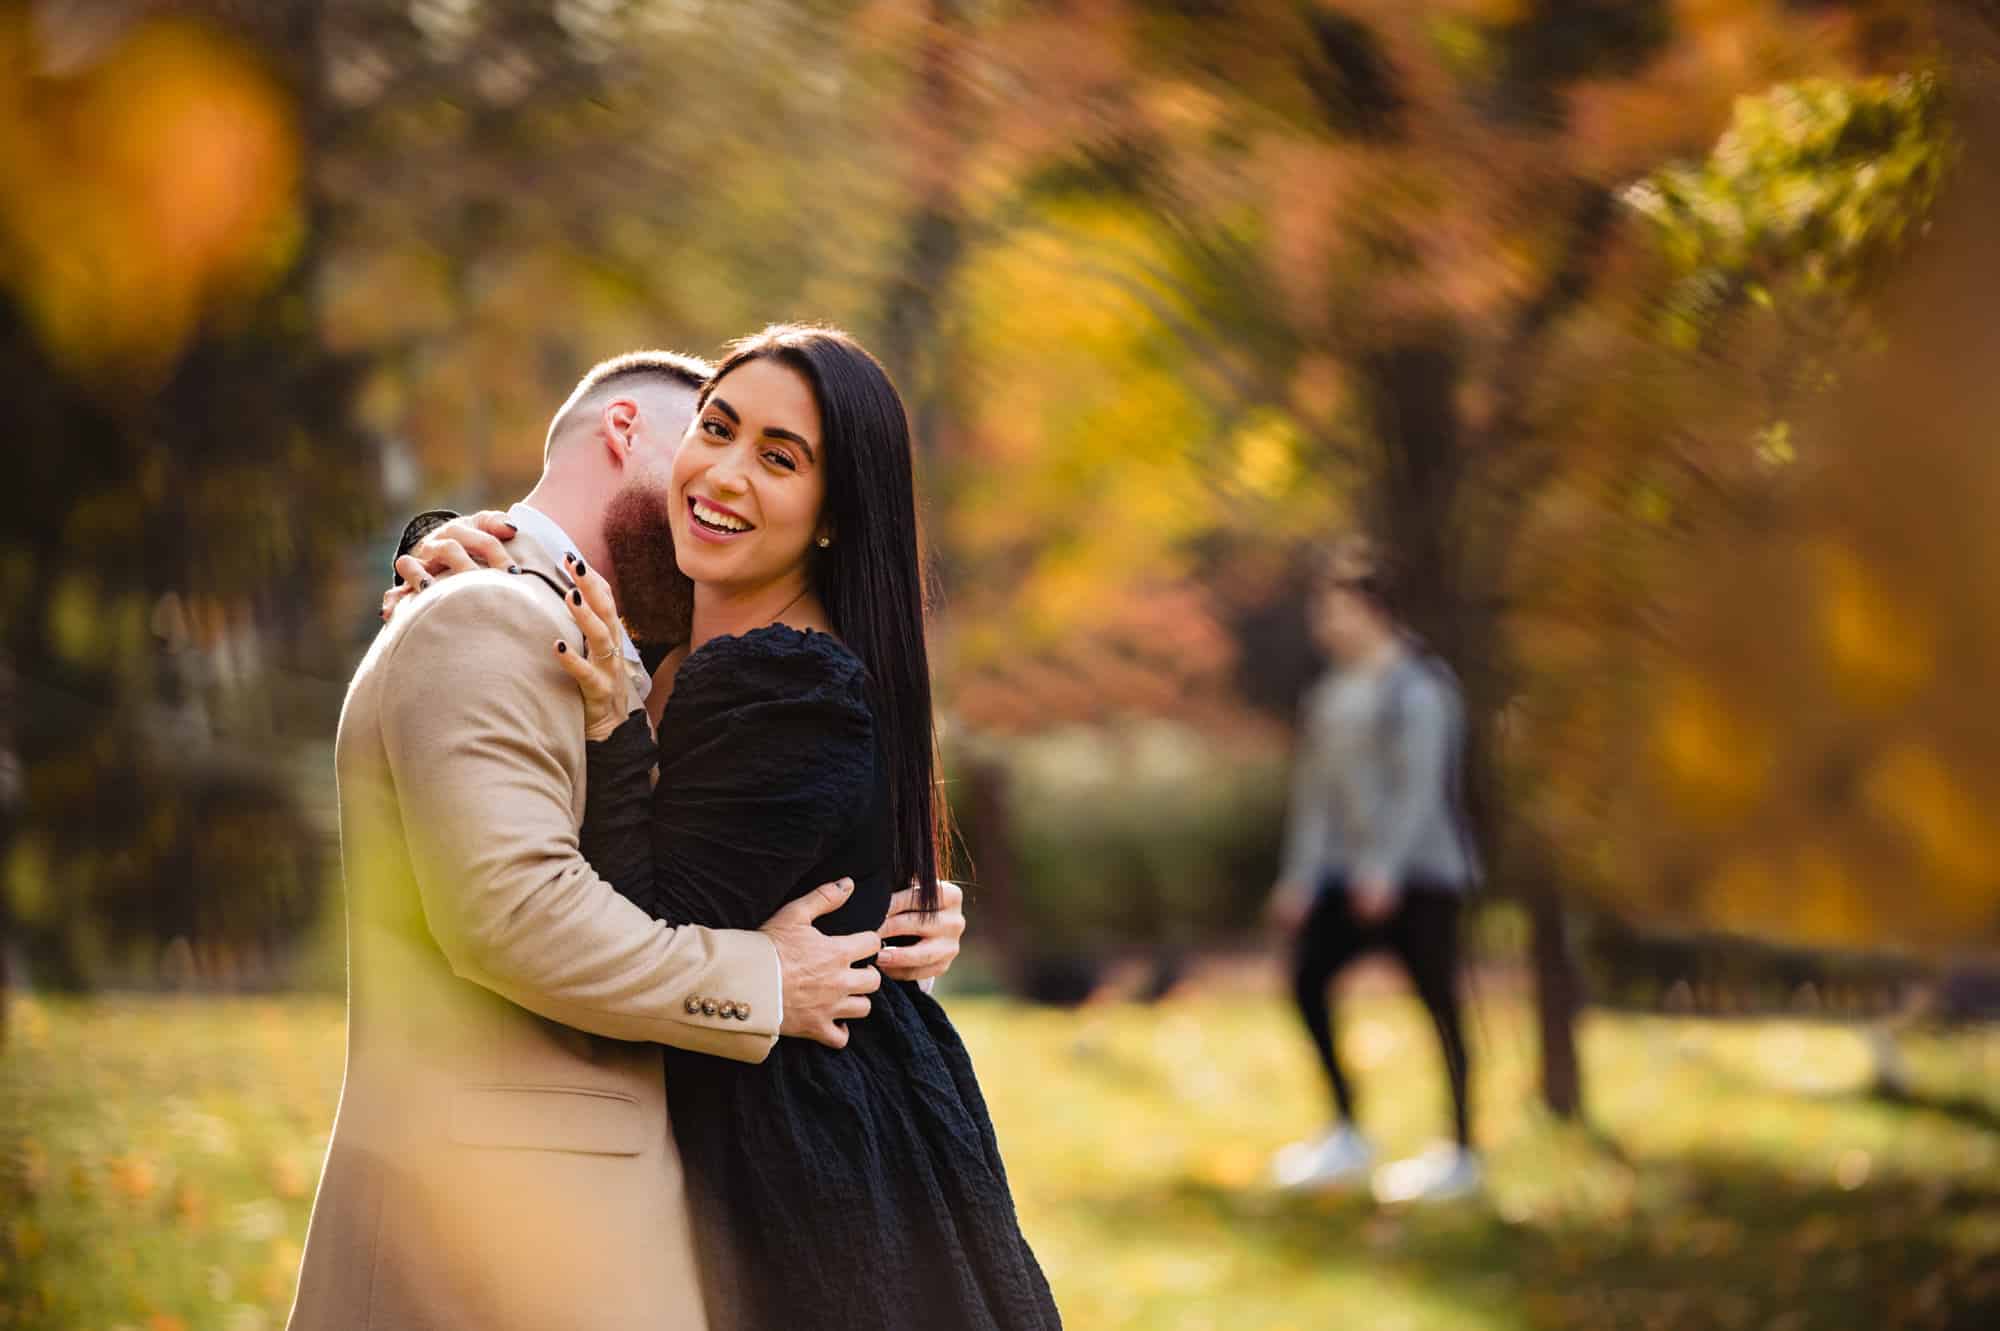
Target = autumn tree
(184,477)
(1810,729)
(1326,263)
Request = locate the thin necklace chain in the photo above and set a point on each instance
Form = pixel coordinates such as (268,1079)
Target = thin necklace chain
(789,604)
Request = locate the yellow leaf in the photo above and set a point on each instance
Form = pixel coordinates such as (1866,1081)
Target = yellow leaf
(1881,644)
(1720,759)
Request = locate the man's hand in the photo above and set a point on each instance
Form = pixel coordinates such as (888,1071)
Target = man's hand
(937,934)
(1373,896)
(459,546)
(822,985)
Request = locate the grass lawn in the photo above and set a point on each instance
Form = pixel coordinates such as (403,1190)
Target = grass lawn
(157,1160)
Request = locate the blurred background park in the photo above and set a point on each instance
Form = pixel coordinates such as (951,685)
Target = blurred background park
(1656,337)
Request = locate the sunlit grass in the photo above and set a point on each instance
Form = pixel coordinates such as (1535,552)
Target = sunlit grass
(159,1159)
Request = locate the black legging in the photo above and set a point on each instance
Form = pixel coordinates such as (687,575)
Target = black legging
(1423,932)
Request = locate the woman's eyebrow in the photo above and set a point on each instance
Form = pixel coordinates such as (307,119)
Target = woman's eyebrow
(774,432)
(726,409)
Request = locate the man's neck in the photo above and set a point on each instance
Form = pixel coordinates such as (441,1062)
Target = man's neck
(1376,656)
(580,516)
(720,612)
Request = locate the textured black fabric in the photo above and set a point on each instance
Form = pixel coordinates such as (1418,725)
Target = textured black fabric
(421,526)
(826,1188)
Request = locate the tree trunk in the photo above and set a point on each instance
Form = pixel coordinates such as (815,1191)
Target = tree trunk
(934,237)
(13,793)
(985,817)
(1412,390)
(1557,1001)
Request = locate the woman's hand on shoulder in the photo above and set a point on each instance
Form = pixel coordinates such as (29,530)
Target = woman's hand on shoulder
(599,670)
(459,546)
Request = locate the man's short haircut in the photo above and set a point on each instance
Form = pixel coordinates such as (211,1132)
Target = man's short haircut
(602,380)
(1357,564)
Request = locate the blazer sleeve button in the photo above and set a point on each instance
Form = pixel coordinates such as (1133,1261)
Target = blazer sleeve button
(708,1007)
(693,1006)
(742,1012)
(725,1009)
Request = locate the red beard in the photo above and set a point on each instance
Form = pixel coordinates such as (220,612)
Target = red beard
(655,599)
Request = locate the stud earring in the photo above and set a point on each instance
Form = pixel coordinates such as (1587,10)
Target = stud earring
(825,541)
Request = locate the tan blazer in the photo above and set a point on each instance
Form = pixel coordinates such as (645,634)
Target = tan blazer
(502,1157)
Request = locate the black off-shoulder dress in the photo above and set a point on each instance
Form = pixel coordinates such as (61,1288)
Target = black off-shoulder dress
(859,1187)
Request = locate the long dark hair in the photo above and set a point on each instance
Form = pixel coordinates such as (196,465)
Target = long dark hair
(871,578)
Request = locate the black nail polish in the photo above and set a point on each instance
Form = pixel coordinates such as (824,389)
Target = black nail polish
(581,571)
(562,646)
(424,585)
(575,596)
(513,568)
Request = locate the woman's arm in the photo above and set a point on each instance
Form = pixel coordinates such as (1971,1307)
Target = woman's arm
(1308,825)
(616,836)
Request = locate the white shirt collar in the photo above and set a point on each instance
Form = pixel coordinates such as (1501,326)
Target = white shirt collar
(543,529)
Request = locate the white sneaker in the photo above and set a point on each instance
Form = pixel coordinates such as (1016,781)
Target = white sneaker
(1339,1157)
(1441,1174)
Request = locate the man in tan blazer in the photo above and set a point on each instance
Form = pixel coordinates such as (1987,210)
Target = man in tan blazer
(502,1156)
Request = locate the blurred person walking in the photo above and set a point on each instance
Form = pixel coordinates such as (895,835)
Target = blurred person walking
(1377,856)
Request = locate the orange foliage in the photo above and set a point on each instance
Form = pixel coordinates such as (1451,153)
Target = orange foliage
(139,193)
(1160,652)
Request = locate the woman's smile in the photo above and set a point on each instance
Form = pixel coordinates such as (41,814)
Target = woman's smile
(711,521)
(749,482)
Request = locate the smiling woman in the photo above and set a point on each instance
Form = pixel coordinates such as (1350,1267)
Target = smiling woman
(855,1186)
(794,501)
(749,487)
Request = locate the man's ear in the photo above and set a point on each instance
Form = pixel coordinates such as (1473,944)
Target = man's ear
(620,421)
